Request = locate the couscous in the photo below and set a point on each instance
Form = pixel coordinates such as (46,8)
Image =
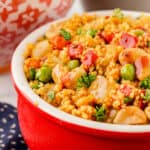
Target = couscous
(94,67)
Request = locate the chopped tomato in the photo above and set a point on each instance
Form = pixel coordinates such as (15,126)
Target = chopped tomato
(128,41)
(126,90)
(89,59)
(33,63)
(107,37)
(75,50)
(59,42)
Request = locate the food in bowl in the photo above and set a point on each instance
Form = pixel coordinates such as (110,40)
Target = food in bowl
(94,67)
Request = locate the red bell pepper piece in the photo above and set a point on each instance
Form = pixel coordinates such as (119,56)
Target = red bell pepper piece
(59,42)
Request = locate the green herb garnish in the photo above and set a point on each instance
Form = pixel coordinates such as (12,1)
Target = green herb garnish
(118,13)
(51,95)
(65,34)
(146,97)
(145,83)
(91,32)
(32,73)
(35,85)
(127,100)
(85,80)
(100,114)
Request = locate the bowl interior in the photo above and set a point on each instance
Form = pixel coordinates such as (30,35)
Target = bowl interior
(22,84)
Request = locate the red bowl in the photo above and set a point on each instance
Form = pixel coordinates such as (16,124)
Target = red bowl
(45,127)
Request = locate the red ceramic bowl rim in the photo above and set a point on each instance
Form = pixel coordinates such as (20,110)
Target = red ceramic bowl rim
(21,82)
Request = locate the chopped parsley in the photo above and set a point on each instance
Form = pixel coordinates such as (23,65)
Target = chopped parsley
(145,83)
(146,97)
(65,34)
(91,32)
(100,114)
(32,73)
(85,80)
(35,85)
(127,100)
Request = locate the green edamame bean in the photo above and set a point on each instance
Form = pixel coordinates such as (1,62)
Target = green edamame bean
(128,72)
(44,74)
(73,64)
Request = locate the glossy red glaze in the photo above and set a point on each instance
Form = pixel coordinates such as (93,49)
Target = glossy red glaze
(43,131)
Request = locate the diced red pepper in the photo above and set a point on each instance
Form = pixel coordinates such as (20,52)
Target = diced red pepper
(128,41)
(75,50)
(126,90)
(89,59)
(141,104)
(108,37)
(59,42)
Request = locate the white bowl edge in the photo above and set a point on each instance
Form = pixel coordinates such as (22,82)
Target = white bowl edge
(22,84)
